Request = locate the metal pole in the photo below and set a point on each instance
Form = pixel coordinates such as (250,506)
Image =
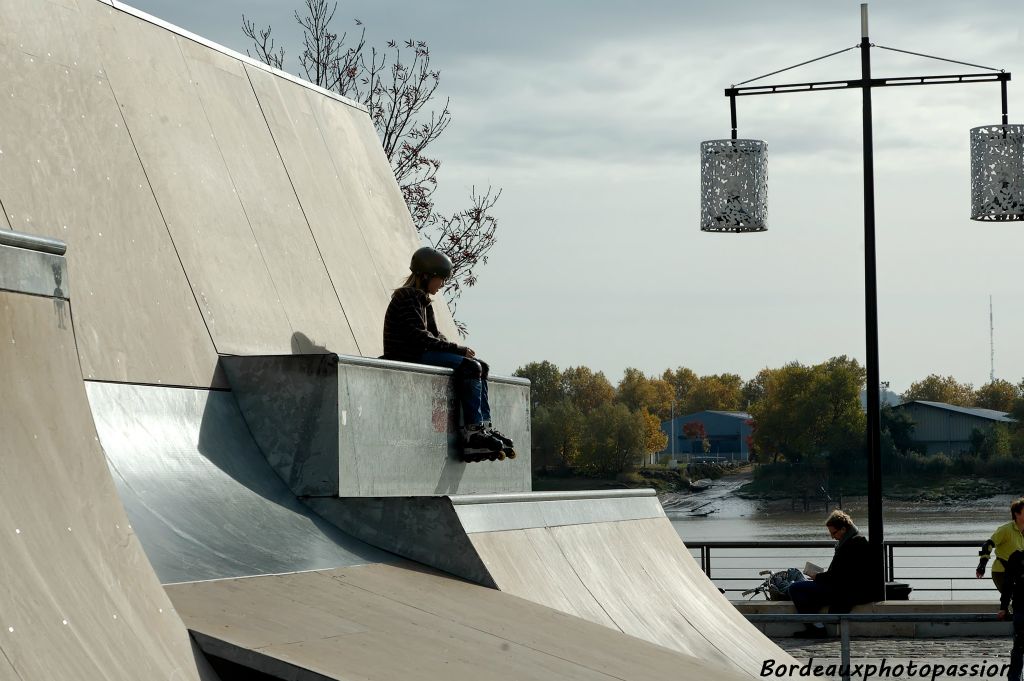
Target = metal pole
(1002,84)
(732,111)
(844,647)
(875,523)
(672,428)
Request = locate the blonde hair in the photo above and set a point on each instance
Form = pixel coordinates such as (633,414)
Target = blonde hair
(839,519)
(416,280)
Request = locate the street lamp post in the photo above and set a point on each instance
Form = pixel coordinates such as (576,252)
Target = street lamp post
(672,429)
(734,199)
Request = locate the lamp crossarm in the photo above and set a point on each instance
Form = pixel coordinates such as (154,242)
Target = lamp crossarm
(952,79)
(1001,77)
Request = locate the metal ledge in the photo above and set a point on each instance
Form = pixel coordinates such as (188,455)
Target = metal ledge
(376,363)
(421,368)
(460,499)
(32,242)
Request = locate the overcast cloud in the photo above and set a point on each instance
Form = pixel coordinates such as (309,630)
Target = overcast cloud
(589,115)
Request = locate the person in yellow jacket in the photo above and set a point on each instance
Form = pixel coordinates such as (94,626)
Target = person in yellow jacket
(1005,540)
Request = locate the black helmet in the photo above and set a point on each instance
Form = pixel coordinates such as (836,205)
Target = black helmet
(432,262)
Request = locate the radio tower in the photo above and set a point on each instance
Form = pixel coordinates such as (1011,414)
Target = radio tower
(991,343)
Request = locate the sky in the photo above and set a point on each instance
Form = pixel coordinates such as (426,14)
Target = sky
(588,115)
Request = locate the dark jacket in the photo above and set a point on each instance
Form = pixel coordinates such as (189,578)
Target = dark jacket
(1013,583)
(410,329)
(847,575)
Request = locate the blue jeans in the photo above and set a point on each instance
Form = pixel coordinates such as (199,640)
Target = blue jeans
(1017,652)
(470,383)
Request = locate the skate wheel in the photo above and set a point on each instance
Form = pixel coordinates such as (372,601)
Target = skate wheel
(510,453)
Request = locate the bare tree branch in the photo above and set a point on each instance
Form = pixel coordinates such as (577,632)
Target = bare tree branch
(263,44)
(397,85)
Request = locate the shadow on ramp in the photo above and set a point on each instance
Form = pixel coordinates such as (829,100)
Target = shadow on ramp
(202,497)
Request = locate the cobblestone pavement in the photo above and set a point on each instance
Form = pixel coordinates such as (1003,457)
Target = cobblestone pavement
(975,648)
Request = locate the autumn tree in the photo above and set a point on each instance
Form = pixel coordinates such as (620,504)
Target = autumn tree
(899,426)
(721,392)
(808,410)
(780,431)
(613,439)
(999,394)
(586,389)
(398,85)
(545,382)
(935,388)
(654,438)
(682,381)
(753,390)
(558,430)
(638,391)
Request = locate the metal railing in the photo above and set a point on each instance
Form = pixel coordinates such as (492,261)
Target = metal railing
(32,242)
(844,620)
(938,569)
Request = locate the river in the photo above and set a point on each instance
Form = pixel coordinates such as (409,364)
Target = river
(934,573)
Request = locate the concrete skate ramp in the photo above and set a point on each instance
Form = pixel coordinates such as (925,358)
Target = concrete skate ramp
(203,499)
(241,220)
(608,557)
(79,600)
(382,622)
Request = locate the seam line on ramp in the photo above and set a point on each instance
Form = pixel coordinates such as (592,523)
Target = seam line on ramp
(156,200)
(302,208)
(234,185)
(11,664)
(583,583)
(159,385)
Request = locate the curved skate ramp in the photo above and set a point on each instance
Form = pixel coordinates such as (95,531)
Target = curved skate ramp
(79,600)
(201,495)
(608,557)
(264,583)
(250,212)
(384,622)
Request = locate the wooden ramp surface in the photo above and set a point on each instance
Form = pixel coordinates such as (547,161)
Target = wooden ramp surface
(79,599)
(402,622)
(634,575)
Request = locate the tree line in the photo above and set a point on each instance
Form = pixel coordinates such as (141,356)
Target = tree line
(798,412)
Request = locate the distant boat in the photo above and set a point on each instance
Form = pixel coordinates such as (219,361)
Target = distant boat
(700,485)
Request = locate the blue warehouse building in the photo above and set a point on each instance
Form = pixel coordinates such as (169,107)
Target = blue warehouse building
(727,433)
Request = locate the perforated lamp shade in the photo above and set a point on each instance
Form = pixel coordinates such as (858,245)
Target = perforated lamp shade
(997,172)
(733,186)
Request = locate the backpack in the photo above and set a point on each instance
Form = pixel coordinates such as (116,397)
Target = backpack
(779,583)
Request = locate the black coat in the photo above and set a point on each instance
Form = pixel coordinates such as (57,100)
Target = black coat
(848,575)
(410,328)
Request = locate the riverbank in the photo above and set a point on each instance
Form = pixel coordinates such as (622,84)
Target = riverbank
(924,490)
(776,491)
(662,480)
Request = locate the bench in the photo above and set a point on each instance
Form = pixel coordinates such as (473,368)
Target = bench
(894,629)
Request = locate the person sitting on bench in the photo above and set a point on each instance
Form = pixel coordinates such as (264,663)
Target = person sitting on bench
(845,583)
